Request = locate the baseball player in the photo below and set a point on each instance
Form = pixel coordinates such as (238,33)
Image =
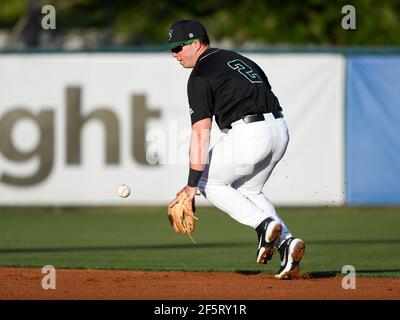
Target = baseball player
(235,91)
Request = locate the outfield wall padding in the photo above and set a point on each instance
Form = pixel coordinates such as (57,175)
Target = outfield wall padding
(373,130)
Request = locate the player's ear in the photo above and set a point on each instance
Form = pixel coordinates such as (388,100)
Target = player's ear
(197,44)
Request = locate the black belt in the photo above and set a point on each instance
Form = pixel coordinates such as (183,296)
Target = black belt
(260,117)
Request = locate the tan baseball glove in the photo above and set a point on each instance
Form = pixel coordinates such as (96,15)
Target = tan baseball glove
(181,214)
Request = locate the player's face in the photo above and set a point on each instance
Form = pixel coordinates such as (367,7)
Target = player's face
(186,55)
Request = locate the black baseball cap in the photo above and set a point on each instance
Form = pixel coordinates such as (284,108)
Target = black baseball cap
(184,30)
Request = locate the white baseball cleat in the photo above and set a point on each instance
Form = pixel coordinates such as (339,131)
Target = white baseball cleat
(291,251)
(271,230)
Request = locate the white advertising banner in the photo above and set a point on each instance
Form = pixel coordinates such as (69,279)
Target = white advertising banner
(73,127)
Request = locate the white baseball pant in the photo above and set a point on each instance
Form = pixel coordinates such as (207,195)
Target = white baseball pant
(239,165)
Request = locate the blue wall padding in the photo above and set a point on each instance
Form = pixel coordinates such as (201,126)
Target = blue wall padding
(373,130)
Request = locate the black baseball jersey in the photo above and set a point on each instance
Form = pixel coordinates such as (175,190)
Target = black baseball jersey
(228,86)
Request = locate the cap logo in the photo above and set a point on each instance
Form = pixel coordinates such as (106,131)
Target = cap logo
(190,35)
(170,34)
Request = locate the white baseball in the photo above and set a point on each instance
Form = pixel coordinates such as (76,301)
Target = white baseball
(124,191)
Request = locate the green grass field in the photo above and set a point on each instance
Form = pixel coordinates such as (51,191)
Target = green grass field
(142,239)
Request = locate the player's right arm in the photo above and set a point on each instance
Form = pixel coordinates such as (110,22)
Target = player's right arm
(201,103)
(199,143)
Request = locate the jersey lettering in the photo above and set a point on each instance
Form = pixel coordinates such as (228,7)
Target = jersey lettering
(245,70)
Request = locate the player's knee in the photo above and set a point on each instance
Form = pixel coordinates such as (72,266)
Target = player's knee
(205,187)
(202,186)
(251,194)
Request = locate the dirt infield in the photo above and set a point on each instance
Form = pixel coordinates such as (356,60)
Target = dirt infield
(22,283)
